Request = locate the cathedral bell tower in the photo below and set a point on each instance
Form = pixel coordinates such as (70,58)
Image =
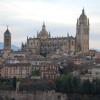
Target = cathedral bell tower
(82,34)
(7,40)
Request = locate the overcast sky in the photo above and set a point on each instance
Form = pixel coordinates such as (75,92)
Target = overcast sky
(25,18)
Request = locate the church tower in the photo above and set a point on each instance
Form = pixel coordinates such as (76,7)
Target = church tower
(82,34)
(7,40)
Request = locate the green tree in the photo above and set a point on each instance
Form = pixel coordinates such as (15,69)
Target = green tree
(35,73)
(86,87)
(64,83)
(14,82)
(76,83)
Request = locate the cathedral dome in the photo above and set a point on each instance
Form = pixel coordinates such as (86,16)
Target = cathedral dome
(43,33)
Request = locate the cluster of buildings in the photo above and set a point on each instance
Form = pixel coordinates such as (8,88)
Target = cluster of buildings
(39,53)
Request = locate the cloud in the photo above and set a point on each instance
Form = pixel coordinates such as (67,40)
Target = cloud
(25,17)
(94,36)
(95,44)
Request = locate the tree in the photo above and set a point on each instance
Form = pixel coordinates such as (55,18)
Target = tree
(35,73)
(14,82)
(86,87)
(64,84)
(76,82)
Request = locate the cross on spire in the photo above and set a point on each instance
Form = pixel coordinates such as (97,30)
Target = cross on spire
(43,26)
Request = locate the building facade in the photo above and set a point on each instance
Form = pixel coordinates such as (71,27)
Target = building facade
(82,33)
(15,70)
(49,71)
(44,44)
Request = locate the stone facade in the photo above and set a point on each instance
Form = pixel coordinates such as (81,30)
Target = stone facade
(35,95)
(49,71)
(15,70)
(82,33)
(7,40)
(44,44)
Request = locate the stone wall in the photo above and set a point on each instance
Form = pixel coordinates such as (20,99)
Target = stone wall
(36,95)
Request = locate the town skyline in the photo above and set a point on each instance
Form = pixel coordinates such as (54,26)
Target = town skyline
(23,18)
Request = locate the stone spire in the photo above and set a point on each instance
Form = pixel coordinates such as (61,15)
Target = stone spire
(49,35)
(67,34)
(88,21)
(43,26)
(27,38)
(77,20)
(83,12)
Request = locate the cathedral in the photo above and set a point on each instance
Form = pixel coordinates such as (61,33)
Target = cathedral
(44,44)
